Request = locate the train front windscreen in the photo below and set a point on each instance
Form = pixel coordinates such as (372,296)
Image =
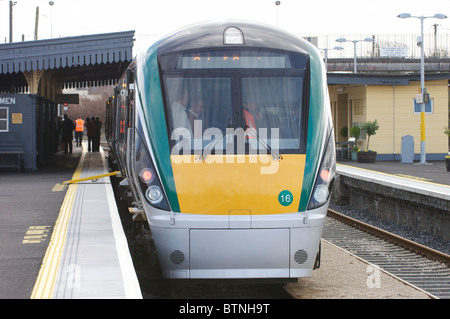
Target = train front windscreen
(255,100)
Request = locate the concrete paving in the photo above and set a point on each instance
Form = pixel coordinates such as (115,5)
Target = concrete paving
(29,207)
(63,241)
(433,172)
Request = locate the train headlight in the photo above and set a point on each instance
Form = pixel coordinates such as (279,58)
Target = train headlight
(321,193)
(147,175)
(233,35)
(148,180)
(325,177)
(154,194)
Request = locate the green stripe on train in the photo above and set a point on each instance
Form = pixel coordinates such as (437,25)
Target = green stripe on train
(316,126)
(156,124)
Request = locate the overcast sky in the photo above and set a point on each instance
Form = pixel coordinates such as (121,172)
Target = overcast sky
(152,19)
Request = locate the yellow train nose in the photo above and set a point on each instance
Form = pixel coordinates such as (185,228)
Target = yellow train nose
(243,184)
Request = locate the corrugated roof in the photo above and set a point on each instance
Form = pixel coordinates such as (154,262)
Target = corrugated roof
(72,62)
(66,52)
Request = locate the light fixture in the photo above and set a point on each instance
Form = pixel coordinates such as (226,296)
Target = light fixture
(154,194)
(147,175)
(233,35)
(325,50)
(354,48)
(423,90)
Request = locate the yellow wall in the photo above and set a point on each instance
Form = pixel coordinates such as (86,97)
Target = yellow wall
(393,109)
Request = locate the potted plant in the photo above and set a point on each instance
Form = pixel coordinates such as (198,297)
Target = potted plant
(355,132)
(344,131)
(368,156)
(447,158)
(355,151)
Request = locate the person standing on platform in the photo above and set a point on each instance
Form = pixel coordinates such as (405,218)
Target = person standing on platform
(67,135)
(59,134)
(79,128)
(98,129)
(90,132)
(94,140)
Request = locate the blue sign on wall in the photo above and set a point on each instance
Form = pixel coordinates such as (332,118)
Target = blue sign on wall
(428,107)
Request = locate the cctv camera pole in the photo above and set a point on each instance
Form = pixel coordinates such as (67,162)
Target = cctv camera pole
(423,158)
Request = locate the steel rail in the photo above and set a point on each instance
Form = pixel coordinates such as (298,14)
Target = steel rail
(397,240)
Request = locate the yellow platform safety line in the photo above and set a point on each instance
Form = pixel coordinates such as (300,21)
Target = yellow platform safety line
(92,178)
(46,280)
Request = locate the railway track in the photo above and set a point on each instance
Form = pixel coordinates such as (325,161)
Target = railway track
(416,264)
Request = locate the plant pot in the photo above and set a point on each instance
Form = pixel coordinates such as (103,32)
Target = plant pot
(354,156)
(366,157)
(447,164)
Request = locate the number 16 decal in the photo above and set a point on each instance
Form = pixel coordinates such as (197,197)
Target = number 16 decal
(285,198)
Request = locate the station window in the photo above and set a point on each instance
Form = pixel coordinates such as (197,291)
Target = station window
(358,107)
(4,119)
(428,107)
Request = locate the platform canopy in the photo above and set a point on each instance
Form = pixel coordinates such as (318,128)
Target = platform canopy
(45,67)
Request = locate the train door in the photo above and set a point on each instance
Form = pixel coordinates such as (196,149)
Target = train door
(125,111)
(342,119)
(130,100)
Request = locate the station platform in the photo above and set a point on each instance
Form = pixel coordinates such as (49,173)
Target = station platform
(431,179)
(86,256)
(67,242)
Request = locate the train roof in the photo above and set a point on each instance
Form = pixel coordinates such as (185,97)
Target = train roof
(211,35)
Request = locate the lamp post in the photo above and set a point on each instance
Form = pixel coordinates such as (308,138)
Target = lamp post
(326,54)
(11,4)
(51,3)
(422,79)
(354,48)
(277,3)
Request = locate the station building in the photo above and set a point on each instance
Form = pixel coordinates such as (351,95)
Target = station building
(33,75)
(391,100)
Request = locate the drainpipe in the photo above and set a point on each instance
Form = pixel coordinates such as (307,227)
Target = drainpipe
(393,119)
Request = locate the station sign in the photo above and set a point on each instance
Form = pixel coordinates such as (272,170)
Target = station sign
(393,52)
(67,99)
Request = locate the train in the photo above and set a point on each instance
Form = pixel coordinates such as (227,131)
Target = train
(223,133)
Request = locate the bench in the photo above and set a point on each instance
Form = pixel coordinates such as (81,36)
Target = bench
(343,149)
(11,156)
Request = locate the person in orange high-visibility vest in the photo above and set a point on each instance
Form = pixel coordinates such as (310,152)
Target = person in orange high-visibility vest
(250,131)
(79,127)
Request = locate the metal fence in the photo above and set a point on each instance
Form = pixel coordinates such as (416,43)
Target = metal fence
(435,45)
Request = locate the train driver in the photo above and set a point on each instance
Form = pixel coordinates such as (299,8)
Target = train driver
(179,116)
(196,110)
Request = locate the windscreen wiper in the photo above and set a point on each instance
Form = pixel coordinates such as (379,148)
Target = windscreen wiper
(210,146)
(253,134)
